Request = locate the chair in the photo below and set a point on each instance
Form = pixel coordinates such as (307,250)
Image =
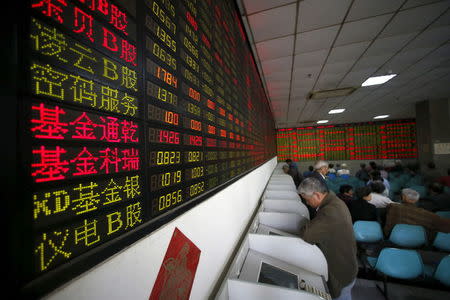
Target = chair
(409,236)
(442,273)
(444,214)
(367,231)
(345,176)
(331,176)
(399,264)
(442,241)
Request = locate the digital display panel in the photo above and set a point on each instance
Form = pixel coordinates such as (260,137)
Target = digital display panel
(132,112)
(366,141)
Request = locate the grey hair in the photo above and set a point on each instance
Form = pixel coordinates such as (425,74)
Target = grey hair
(310,185)
(285,166)
(411,194)
(320,164)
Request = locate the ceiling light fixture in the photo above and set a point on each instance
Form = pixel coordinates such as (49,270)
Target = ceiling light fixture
(322,121)
(317,95)
(378,80)
(381,117)
(336,111)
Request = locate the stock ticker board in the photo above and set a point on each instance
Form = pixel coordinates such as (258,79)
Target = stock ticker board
(135,110)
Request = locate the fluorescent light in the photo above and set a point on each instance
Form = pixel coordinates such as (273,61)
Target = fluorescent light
(336,111)
(378,80)
(381,117)
(322,121)
(331,93)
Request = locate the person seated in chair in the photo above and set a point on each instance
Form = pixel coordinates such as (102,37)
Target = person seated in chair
(437,199)
(346,193)
(309,172)
(360,208)
(362,173)
(408,213)
(379,200)
(343,170)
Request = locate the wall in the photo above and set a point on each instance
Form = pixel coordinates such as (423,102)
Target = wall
(215,226)
(433,126)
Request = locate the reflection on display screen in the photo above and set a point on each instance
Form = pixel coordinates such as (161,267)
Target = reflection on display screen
(276,276)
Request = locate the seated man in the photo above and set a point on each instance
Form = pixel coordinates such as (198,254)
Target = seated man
(332,231)
(408,213)
(376,176)
(320,170)
(360,208)
(445,180)
(346,193)
(437,199)
(343,170)
(309,172)
(362,173)
(379,200)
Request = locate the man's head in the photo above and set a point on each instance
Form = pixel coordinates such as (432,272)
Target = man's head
(346,189)
(436,188)
(321,166)
(330,166)
(288,161)
(375,175)
(311,168)
(363,166)
(364,193)
(344,166)
(285,168)
(410,196)
(313,191)
(377,187)
(431,165)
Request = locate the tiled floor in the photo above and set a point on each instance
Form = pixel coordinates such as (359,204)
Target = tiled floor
(366,290)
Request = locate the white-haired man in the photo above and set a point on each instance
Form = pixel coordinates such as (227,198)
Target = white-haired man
(409,213)
(320,170)
(332,231)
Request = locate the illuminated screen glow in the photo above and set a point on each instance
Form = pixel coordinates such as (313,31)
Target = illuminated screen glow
(131,113)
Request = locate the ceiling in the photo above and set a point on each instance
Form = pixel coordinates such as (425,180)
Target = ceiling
(311,45)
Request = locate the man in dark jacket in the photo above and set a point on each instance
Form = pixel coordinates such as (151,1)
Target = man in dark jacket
(332,231)
(361,209)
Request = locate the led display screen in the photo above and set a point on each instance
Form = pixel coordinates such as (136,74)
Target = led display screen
(366,141)
(131,113)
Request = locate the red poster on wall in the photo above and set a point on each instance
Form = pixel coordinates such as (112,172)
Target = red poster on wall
(177,271)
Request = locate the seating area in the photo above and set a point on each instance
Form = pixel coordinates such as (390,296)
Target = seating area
(404,255)
(407,256)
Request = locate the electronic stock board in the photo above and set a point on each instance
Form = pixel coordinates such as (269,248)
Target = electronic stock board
(132,112)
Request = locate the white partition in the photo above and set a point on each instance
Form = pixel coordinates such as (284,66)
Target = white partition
(281,187)
(290,254)
(285,206)
(294,251)
(282,195)
(244,290)
(289,222)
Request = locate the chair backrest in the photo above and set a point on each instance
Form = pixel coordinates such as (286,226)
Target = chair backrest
(331,176)
(405,235)
(442,241)
(345,176)
(443,271)
(400,263)
(367,231)
(444,214)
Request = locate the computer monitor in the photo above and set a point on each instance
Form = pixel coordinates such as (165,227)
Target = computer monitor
(261,268)
(272,275)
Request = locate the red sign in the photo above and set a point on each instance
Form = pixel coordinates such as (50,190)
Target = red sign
(177,271)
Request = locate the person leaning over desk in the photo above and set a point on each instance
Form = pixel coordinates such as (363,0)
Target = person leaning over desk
(332,231)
